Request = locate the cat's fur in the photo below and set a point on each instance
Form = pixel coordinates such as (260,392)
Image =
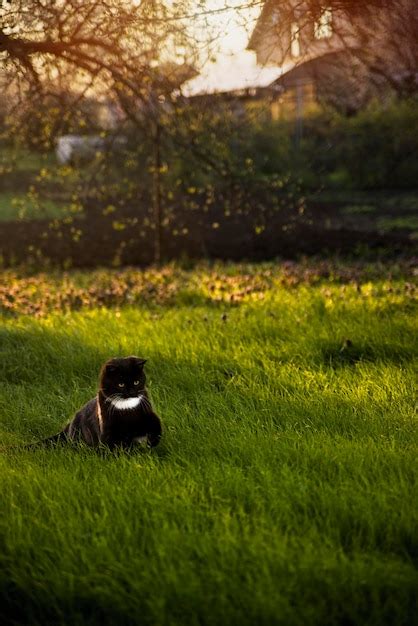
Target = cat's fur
(121,414)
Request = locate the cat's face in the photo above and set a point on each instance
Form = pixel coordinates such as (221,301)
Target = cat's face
(123,381)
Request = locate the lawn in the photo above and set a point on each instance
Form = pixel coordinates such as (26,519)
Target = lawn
(285,488)
(33,186)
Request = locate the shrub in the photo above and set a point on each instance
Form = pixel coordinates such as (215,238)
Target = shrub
(371,150)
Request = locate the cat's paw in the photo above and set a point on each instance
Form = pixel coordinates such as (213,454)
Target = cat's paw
(141,441)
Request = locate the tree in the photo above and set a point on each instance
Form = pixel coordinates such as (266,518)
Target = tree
(57,53)
(89,46)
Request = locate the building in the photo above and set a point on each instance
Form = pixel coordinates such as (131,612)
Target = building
(337,55)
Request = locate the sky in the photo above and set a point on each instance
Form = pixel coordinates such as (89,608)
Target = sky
(235,67)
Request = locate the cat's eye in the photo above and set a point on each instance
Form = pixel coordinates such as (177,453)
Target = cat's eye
(121,384)
(136,382)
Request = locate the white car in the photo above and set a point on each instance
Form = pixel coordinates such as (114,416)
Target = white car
(77,148)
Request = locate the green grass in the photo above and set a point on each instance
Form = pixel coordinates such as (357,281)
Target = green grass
(284,491)
(33,185)
(15,205)
(409,222)
(385,211)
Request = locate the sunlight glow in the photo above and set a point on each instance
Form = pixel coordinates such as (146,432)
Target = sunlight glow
(230,66)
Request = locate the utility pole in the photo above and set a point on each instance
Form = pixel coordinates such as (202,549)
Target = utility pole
(156,200)
(299,114)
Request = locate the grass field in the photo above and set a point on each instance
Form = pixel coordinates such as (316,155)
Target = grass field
(33,186)
(285,489)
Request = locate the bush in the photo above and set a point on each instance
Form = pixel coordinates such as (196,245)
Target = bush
(374,149)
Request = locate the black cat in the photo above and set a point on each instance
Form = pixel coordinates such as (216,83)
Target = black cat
(121,413)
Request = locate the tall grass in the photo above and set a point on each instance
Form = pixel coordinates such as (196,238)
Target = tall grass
(284,491)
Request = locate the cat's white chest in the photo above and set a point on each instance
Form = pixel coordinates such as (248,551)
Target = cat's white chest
(126,403)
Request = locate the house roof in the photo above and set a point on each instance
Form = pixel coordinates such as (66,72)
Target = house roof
(259,27)
(305,71)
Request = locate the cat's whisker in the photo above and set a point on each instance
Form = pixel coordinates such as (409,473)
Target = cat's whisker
(145,401)
(113,396)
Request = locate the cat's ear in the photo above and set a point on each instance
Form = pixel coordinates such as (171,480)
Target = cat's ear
(110,366)
(140,362)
